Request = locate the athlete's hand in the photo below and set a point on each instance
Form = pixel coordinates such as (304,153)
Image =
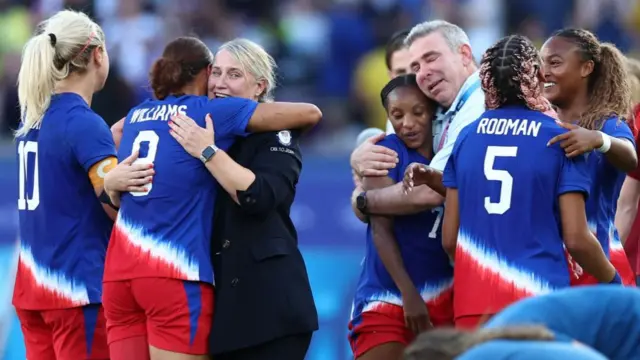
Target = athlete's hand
(416,315)
(416,174)
(129,177)
(370,159)
(577,140)
(190,135)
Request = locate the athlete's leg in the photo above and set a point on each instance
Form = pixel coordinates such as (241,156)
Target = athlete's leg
(78,333)
(126,322)
(38,337)
(379,333)
(179,317)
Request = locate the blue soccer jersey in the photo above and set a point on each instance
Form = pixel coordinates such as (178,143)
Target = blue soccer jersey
(64,230)
(166,231)
(604,317)
(508,181)
(606,182)
(419,239)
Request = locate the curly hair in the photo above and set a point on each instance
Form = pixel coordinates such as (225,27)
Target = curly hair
(609,88)
(509,74)
(448,343)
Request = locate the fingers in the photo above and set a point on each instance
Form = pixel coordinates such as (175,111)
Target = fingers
(557,138)
(142,174)
(177,132)
(140,189)
(376,138)
(374,172)
(382,150)
(129,160)
(567,125)
(208,122)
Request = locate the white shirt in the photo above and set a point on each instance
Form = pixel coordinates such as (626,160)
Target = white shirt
(470,111)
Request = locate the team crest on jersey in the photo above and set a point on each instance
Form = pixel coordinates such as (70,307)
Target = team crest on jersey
(284,137)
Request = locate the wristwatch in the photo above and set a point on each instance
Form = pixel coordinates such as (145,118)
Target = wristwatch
(361,202)
(208,153)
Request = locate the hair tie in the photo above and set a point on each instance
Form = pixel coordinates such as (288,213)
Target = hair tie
(53,39)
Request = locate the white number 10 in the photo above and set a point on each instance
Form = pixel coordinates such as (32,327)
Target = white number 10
(24,202)
(506,180)
(148,136)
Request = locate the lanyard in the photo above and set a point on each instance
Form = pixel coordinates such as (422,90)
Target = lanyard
(451,114)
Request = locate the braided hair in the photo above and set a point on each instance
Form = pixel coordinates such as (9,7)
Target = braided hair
(509,74)
(609,88)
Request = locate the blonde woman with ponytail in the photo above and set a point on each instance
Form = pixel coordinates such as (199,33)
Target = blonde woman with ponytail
(64,151)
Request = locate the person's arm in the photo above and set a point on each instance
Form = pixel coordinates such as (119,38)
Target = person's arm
(270,179)
(93,147)
(581,244)
(574,184)
(451,223)
(622,154)
(392,200)
(627,205)
(354,204)
(369,159)
(386,244)
(117,131)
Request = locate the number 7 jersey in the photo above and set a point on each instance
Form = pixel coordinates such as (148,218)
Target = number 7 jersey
(508,180)
(166,231)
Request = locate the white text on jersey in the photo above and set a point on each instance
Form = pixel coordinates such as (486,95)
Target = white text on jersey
(495,126)
(160,112)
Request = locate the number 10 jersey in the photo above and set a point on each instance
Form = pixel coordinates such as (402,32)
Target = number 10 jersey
(510,241)
(64,230)
(166,231)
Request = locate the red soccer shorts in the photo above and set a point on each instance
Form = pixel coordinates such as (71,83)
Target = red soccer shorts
(384,323)
(173,315)
(65,334)
(619,261)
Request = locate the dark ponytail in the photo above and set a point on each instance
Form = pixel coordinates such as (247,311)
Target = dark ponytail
(182,60)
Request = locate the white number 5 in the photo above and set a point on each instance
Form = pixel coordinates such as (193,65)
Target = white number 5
(150,137)
(506,180)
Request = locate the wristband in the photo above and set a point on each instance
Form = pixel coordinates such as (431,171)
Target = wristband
(606,143)
(616,279)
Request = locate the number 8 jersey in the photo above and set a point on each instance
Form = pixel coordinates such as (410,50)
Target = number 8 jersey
(166,231)
(509,241)
(64,230)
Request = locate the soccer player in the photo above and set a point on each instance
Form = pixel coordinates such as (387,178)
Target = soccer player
(405,284)
(507,192)
(158,279)
(604,318)
(64,150)
(588,83)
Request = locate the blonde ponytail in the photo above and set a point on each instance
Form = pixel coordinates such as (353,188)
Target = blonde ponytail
(64,44)
(36,81)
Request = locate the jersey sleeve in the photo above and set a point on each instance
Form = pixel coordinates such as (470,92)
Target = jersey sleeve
(89,138)
(449,173)
(574,175)
(393,143)
(231,115)
(618,129)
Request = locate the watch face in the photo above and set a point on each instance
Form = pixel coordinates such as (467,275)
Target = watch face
(361,201)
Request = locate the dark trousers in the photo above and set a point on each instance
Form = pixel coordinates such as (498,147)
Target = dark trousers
(292,347)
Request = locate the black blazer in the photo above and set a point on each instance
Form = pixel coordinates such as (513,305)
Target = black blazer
(262,286)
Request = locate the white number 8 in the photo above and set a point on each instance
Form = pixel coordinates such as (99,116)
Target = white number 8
(152,138)
(506,180)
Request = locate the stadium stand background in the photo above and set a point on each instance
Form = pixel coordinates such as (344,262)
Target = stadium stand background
(328,52)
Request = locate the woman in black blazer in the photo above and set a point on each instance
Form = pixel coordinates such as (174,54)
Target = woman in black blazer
(264,306)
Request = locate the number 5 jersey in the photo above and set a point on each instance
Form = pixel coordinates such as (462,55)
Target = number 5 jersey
(509,241)
(166,231)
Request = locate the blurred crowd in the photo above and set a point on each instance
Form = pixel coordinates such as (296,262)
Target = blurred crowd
(330,52)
